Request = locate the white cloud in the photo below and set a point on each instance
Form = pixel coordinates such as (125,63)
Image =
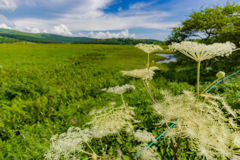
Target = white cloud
(7,5)
(4,20)
(35,30)
(32,30)
(119,9)
(4,26)
(45,31)
(62,29)
(81,34)
(102,35)
(139,5)
(30,3)
(88,16)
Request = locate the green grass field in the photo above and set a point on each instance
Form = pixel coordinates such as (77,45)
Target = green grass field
(50,55)
(43,87)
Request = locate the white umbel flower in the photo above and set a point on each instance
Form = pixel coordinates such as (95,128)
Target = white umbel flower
(200,52)
(206,123)
(111,120)
(144,136)
(67,143)
(141,73)
(119,90)
(148,154)
(148,48)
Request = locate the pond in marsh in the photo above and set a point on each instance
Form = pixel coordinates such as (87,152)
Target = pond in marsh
(169,58)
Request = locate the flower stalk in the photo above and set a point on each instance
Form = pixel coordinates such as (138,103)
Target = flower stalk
(198,77)
(125,146)
(149,93)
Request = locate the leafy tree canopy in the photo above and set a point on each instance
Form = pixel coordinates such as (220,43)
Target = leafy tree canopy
(218,24)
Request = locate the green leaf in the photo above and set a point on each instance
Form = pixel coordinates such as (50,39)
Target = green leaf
(154,133)
(119,140)
(125,157)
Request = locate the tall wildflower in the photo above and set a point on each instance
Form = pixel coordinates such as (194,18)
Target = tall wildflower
(148,48)
(141,73)
(200,52)
(66,144)
(205,124)
(148,154)
(111,120)
(119,90)
(144,136)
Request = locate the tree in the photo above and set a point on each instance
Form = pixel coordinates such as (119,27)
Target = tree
(218,24)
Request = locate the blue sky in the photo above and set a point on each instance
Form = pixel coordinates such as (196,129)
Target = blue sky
(140,19)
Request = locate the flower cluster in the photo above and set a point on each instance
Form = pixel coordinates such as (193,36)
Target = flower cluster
(65,144)
(148,154)
(144,136)
(200,52)
(204,123)
(110,120)
(148,48)
(141,73)
(119,90)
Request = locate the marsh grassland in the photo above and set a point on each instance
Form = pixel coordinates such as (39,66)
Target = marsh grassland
(47,88)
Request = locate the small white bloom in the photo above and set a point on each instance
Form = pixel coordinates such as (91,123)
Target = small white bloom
(122,89)
(144,136)
(141,73)
(148,48)
(148,154)
(68,143)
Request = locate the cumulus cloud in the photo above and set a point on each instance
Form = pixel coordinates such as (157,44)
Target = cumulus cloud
(4,26)
(45,31)
(122,34)
(7,5)
(103,35)
(30,3)
(81,34)
(89,16)
(119,9)
(139,5)
(4,20)
(62,29)
(32,30)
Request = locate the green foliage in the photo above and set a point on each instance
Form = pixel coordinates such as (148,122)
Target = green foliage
(38,101)
(18,38)
(121,41)
(219,24)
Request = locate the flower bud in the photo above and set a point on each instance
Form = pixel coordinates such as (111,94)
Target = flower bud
(94,156)
(220,74)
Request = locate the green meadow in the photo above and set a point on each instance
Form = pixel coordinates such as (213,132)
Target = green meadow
(47,88)
(50,55)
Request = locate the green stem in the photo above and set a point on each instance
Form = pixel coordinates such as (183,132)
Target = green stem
(148,60)
(209,86)
(123,100)
(134,141)
(149,93)
(198,77)
(125,145)
(174,147)
(178,143)
(153,90)
(90,147)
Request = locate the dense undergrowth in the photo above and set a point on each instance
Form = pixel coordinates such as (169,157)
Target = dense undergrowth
(37,102)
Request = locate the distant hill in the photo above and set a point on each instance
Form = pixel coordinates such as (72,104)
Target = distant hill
(121,41)
(12,36)
(40,37)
